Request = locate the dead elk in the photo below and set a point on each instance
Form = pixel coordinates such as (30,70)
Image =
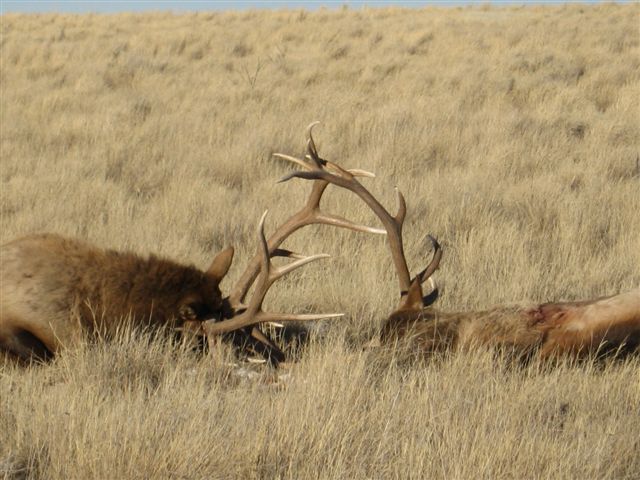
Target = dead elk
(56,289)
(592,327)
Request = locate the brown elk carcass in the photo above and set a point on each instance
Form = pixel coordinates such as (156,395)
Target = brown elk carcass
(56,290)
(592,327)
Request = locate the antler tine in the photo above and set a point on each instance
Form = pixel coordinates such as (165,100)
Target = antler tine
(313,154)
(435,261)
(268,275)
(282,271)
(337,221)
(402,208)
(295,160)
(263,280)
(283,252)
(311,145)
(357,172)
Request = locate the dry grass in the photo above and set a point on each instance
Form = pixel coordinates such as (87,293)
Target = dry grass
(515,135)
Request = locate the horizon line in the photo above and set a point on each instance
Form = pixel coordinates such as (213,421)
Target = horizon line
(193,6)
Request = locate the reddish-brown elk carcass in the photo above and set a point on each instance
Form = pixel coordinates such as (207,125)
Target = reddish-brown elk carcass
(591,327)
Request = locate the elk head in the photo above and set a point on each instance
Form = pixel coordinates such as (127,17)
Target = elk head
(206,300)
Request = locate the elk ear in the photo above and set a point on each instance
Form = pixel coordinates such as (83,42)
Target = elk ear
(221,263)
(413,299)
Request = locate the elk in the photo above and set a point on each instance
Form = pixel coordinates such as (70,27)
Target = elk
(591,327)
(56,290)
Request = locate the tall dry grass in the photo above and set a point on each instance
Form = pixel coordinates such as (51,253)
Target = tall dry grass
(513,132)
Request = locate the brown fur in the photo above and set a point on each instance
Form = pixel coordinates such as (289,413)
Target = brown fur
(549,330)
(56,290)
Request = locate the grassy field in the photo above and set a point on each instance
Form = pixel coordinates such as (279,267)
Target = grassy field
(514,134)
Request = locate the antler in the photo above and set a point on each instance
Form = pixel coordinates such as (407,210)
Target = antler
(310,214)
(253,313)
(317,168)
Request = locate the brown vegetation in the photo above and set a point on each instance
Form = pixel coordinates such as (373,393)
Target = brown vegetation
(513,132)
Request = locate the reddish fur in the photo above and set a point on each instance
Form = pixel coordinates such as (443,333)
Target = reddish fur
(551,329)
(55,290)
(585,327)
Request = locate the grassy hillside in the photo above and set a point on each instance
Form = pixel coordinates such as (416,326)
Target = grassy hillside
(514,134)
